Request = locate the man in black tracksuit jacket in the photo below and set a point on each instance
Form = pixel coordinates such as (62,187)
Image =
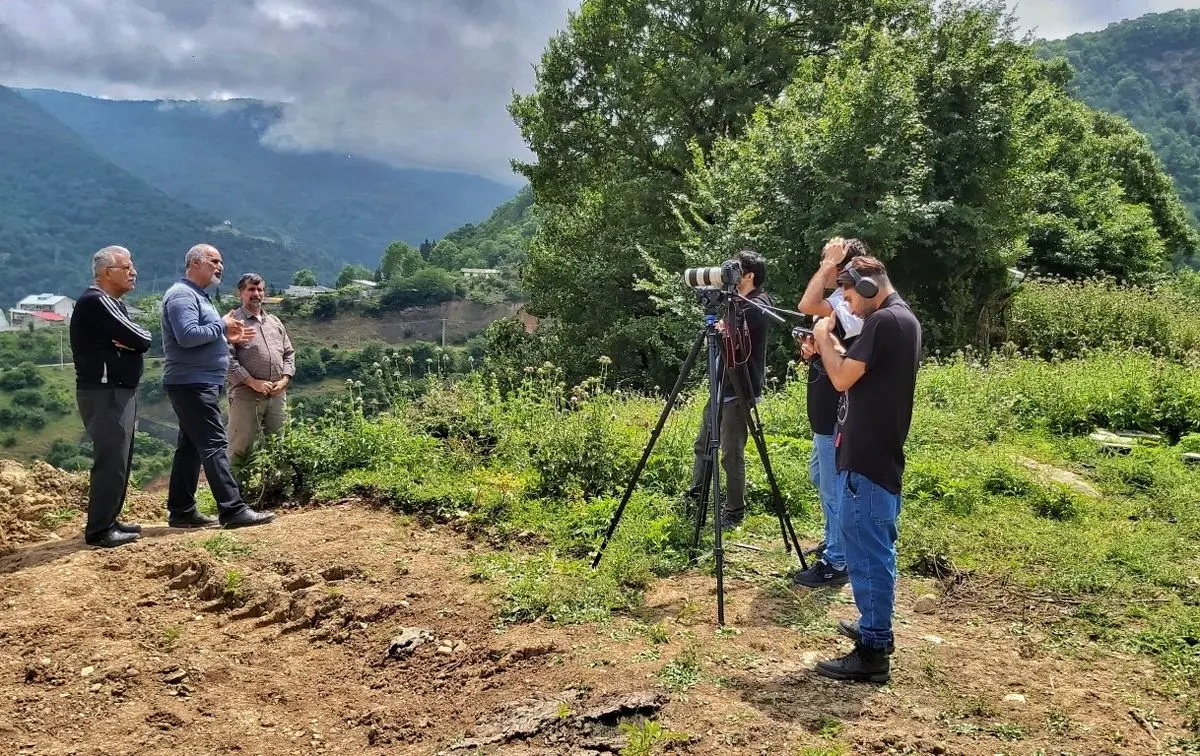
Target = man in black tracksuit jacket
(107,347)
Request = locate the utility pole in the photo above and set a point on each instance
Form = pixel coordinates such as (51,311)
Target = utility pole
(443,325)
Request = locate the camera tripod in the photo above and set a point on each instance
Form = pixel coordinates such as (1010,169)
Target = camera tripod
(739,377)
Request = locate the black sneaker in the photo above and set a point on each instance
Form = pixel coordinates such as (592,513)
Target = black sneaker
(849,628)
(863,664)
(732,522)
(822,575)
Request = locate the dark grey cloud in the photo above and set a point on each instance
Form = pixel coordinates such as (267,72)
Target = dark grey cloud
(411,82)
(422,82)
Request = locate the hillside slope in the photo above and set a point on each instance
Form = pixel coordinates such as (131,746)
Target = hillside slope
(60,202)
(211,155)
(1147,70)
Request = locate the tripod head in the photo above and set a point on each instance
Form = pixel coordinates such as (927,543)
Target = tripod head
(714,300)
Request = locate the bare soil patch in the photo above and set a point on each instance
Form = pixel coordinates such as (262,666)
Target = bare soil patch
(345,630)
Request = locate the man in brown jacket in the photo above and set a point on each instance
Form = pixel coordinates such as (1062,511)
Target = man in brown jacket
(259,371)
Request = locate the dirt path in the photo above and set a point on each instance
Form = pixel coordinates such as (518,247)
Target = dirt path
(164,648)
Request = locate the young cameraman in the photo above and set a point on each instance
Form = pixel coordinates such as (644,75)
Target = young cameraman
(877,376)
(749,345)
(829,569)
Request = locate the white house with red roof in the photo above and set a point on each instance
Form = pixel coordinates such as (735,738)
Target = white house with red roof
(42,310)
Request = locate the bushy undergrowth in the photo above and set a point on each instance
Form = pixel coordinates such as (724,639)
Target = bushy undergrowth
(1002,481)
(1063,319)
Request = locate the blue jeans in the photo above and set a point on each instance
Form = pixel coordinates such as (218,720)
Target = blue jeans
(822,471)
(869,515)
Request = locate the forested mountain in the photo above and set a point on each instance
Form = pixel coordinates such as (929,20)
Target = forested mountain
(210,154)
(1147,70)
(60,202)
(501,241)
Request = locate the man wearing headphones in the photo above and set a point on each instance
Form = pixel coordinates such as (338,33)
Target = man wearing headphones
(877,376)
(829,569)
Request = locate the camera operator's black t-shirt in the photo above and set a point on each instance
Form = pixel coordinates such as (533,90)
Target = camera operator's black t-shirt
(875,414)
(757,324)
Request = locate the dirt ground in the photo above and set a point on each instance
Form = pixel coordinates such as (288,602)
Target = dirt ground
(291,639)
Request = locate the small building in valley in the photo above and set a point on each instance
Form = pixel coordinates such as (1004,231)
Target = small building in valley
(304,292)
(57,303)
(479,272)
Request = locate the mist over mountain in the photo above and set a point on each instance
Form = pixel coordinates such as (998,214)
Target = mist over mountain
(60,201)
(223,158)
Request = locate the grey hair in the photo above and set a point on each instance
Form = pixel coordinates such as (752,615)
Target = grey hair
(107,257)
(196,254)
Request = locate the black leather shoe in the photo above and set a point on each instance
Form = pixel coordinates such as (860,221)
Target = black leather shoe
(191,519)
(112,539)
(863,664)
(128,527)
(849,628)
(248,518)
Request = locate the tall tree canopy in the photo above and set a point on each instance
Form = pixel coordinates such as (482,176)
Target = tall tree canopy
(622,95)
(669,134)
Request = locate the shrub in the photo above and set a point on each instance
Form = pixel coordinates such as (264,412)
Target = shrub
(1055,503)
(25,375)
(1053,318)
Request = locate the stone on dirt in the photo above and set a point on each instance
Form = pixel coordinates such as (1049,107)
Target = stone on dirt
(409,639)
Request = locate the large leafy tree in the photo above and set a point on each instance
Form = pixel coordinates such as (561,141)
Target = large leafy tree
(1103,201)
(623,95)
(907,139)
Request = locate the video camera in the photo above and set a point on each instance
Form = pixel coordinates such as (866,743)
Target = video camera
(725,276)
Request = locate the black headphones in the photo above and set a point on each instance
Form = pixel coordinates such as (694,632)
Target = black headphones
(864,285)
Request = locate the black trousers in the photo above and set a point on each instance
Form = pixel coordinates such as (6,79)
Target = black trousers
(109,416)
(202,443)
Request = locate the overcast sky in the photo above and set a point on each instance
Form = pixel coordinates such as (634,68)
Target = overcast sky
(412,82)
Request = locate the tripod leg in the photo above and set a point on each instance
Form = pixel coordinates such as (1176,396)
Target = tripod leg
(741,379)
(716,398)
(662,421)
(790,541)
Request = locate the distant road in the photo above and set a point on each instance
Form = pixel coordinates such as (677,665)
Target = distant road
(72,364)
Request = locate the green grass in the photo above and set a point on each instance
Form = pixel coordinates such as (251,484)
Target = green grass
(224,546)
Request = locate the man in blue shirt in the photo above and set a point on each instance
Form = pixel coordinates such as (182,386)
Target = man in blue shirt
(196,347)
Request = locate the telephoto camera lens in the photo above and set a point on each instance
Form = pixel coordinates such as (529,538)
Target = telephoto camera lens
(698,277)
(729,273)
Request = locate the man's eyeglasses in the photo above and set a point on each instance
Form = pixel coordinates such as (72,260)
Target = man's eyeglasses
(125,268)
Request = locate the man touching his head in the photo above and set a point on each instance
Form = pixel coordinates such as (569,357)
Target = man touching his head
(877,377)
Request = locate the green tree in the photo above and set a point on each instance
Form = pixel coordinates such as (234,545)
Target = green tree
(353,272)
(622,94)
(426,286)
(446,255)
(399,260)
(1103,201)
(907,140)
(304,277)
(1145,69)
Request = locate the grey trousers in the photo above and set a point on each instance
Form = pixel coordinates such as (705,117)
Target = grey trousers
(252,414)
(109,415)
(735,429)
